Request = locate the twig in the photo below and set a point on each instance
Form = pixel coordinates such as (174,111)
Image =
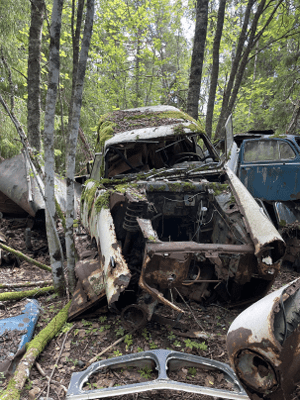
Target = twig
(56,363)
(92,360)
(26,258)
(197,322)
(43,373)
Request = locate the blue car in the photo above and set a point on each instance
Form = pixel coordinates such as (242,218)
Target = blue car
(268,165)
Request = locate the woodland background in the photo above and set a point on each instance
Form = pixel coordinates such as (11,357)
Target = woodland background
(141,53)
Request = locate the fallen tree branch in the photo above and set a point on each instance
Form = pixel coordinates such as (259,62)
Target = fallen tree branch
(94,359)
(34,348)
(26,258)
(25,284)
(27,293)
(57,360)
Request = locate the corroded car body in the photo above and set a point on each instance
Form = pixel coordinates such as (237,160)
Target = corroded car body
(268,165)
(169,220)
(263,344)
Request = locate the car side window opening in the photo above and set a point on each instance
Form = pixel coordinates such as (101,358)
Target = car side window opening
(268,150)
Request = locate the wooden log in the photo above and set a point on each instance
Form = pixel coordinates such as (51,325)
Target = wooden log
(27,293)
(26,258)
(24,284)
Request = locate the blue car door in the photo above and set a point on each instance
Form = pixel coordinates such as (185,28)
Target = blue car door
(269,168)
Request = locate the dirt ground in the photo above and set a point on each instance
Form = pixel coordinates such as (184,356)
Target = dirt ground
(81,340)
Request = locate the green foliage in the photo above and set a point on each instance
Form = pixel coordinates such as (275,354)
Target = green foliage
(128,341)
(145,334)
(140,56)
(171,336)
(192,371)
(191,344)
(145,372)
(67,326)
(119,331)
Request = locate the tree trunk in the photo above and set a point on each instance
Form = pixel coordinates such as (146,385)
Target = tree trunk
(34,74)
(73,135)
(234,68)
(55,251)
(215,69)
(291,129)
(75,45)
(254,75)
(137,71)
(253,39)
(197,58)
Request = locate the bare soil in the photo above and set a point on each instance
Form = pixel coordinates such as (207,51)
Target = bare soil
(91,335)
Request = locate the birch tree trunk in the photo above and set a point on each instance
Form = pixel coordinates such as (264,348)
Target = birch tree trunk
(197,58)
(55,251)
(253,39)
(242,57)
(234,68)
(215,69)
(73,135)
(34,74)
(75,45)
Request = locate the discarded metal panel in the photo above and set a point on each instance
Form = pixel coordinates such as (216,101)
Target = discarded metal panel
(166,214)
(263,344)
(19,190)
(164,361)
(90,287)
(15,332)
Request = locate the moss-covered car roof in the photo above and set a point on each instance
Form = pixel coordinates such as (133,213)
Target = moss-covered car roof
(144,123)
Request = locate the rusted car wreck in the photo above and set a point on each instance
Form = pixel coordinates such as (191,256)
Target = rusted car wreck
(263,345)
(169,220)
(268,165)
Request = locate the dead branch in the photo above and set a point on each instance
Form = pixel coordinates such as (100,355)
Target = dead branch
(26,258)
(35,347)
(24,284)
(27,293)
(43,373)
(57,360)
(94,359)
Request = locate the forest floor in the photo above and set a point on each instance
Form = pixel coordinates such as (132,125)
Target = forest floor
(70,351)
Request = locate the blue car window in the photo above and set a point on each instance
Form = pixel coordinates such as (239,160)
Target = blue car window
(286,152)
(262,150)
(268,150)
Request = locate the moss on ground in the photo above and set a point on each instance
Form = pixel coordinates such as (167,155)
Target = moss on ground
(27,293)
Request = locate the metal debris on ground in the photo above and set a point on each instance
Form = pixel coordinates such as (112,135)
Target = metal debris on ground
(164,362)
(15,332)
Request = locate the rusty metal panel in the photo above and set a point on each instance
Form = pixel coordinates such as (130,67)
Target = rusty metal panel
(14,180)
(263,344)
(114,268)
(262,231)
